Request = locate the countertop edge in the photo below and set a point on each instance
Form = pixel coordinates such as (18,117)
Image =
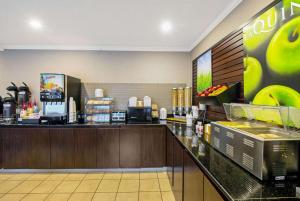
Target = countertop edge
(206,172)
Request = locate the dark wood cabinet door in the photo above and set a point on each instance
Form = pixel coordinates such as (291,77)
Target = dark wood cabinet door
(85,148)
(38,145)
(193,180)
(9,148)
(153,147)
(26,148)
(20,146)
(108,148)
(178,171)
(130,147)
(1,148)
(15,150)
(210,193)
(62,148)
(170,156)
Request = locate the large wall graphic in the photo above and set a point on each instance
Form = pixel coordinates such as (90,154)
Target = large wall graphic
(272,61)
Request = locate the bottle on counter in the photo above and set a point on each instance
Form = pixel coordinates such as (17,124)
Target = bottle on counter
(29,109)
(199,129)
(207,133)
(23,112)
(189,120)
(35,107)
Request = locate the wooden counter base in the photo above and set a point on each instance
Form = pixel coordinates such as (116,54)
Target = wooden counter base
(66,148)
(139,146)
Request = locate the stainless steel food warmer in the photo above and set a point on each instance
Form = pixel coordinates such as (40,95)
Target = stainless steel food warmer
(263,140)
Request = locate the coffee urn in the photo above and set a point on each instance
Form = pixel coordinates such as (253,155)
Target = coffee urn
(13,89)
(9,109)
(23,94)
(1,106)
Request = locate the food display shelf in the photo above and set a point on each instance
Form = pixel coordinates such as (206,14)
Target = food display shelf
(98,110)
(227,96)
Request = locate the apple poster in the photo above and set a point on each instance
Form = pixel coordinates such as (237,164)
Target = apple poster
(204,74)
(272,61)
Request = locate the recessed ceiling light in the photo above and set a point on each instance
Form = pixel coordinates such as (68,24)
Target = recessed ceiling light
(166,27)
(35,24)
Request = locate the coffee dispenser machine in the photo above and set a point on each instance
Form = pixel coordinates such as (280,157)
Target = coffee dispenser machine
(1,106)
(55,93)
(24,94)
(9,109)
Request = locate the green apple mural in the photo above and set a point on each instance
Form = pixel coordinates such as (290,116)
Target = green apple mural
(291,5)
(257,32)
(284,49)
(252,75)
(278,95)
(272,65)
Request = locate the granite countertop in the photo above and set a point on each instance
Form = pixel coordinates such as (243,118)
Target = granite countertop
(233,181)
(85,125)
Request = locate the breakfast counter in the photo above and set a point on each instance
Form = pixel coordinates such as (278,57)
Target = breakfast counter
(231,180)
(94,146)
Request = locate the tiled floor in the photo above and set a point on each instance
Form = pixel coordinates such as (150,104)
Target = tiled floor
(126,186)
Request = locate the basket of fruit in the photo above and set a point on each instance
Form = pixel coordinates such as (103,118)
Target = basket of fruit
(217,95)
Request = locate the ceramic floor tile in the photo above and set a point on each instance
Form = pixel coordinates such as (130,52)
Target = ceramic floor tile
(150,196)
(8,185)
(108,186)
(132,175)
(162,175)
(46,187)
(35,197)
(148,175)
(98,176)
(81,197)
(164,185)
(59,197)
(67,187)
(75,176)
(57,176)
(88,186)
(104,197)
(112,176)
(39,176)
(127,186)
(168,196)
(25,187)
(20,176)
(127,197)
(5,176)
(149,185)
(12,197)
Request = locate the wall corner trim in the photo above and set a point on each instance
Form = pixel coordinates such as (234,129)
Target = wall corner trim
(215,23)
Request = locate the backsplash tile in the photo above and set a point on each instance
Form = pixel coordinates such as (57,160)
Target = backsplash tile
(160,93)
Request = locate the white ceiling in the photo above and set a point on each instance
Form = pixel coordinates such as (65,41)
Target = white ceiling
(109,24)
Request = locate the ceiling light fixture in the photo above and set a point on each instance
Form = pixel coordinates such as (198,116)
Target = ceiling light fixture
(35,24)
(166,27)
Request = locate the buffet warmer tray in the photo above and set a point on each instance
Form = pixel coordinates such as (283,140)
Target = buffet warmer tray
(267,151)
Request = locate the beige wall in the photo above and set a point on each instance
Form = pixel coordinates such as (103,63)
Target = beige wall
(240,15)
(94,66)
(1,68)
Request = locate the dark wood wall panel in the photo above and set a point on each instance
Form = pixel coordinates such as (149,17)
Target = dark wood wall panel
(227,68)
